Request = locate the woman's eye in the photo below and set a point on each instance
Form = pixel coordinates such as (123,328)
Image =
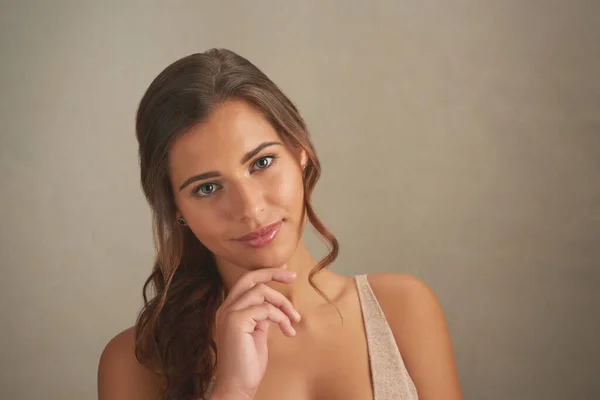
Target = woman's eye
(264,162)
(206,189)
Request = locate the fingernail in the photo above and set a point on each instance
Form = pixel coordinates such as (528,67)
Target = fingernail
(293,332)
(297,314)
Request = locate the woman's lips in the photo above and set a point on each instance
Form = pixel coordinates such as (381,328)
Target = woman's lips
(262,236)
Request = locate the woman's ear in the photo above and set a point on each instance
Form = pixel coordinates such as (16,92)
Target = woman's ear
(303,158)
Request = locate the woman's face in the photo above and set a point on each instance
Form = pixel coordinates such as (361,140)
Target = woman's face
(233,176)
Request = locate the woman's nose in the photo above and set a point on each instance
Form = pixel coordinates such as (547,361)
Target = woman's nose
(247,201)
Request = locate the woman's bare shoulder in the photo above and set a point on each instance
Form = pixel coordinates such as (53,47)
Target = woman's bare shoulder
(401,290)
(120,375)
(417,321)
(405,300)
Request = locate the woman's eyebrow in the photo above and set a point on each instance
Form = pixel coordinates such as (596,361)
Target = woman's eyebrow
(215,174)
(257,150)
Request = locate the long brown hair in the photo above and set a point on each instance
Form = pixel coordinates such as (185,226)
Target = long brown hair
(181,296)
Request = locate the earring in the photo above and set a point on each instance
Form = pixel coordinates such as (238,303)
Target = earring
(181,221)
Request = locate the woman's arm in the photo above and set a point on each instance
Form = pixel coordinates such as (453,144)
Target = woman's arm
(120,376)
(419,327)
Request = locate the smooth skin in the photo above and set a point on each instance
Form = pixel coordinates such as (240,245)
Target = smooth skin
(255,179)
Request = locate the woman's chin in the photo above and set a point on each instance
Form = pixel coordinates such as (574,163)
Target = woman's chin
(267,258)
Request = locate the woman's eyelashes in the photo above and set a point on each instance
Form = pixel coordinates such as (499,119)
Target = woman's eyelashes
(265,162)
(209,188)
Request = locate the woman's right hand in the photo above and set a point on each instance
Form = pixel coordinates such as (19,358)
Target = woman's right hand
(242,325)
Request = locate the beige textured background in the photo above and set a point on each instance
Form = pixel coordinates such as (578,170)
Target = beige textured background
(460,142)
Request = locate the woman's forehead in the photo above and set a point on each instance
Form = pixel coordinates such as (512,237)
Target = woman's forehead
(234,125)
(233,130)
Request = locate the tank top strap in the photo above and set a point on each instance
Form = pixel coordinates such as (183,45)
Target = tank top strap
(390,378)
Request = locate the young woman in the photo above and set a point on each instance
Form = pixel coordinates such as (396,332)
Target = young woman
(236,308)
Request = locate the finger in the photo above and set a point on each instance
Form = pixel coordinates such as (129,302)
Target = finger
(262,326)
(262,293)
(250,317)
(252,278)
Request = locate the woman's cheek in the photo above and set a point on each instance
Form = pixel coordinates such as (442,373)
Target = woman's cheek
(207,225)
(287,190)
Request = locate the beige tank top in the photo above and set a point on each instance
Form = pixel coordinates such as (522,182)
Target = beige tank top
(388,372)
